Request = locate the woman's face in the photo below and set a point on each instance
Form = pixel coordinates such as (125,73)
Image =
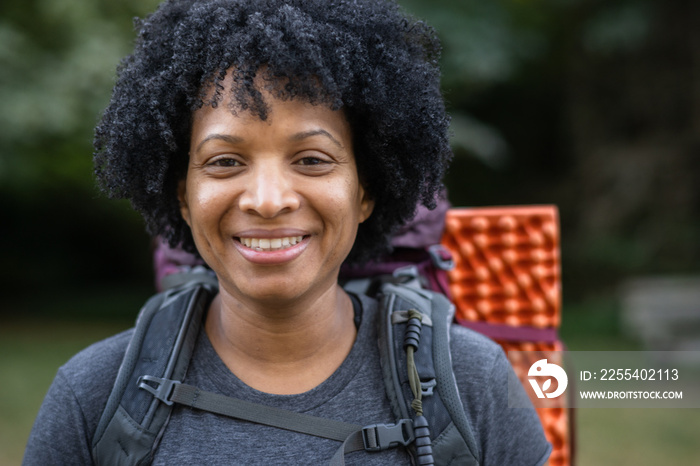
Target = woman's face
(273,205)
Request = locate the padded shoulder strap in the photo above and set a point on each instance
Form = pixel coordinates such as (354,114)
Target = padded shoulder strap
(162,344)
(452,436)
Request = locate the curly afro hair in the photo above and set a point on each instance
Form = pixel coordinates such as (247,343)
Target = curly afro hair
(363,56)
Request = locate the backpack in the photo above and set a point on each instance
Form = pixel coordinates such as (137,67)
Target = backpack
(414,356)
(422,261)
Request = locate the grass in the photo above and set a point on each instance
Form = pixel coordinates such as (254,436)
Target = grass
(639,437)
(594,325)
(32,351)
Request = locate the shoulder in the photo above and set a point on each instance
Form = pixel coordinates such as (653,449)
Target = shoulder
(486,383)
(466,341)
(504,435)
(92,371)
(73,405)
(105,354)
(476,359)
(479,364)
(90,374)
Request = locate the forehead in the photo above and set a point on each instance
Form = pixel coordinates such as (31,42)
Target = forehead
(286,119)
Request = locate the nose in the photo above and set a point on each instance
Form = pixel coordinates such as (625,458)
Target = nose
(269,192)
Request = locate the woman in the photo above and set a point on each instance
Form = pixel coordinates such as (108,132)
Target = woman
(278,140)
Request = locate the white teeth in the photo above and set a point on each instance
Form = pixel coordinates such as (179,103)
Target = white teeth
(271,244)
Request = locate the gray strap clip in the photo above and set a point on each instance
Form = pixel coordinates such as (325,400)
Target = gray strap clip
(441,257)
(383,436)
(164,389)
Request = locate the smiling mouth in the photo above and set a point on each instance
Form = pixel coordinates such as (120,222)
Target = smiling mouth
(271,244)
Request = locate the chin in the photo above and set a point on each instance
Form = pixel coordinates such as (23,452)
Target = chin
(273,291)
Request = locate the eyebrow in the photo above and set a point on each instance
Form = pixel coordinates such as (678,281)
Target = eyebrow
(315,132)
(221,137)
(295,137)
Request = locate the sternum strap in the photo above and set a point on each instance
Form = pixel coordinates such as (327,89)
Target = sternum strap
(193,397)
(354,437)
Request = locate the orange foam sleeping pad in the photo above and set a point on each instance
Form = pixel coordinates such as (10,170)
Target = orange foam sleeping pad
(506,283)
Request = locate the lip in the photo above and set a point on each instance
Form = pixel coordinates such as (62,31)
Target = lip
(274,257)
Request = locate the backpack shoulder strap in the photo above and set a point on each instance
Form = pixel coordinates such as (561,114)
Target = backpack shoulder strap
(132,421)
(451,433)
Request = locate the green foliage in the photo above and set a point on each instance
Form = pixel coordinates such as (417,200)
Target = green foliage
(535,86)
(59,58)
(58,61)
(621,27)
(484,43)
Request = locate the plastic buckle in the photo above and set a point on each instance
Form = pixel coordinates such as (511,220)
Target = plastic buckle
(163,391)
(407,272)
(427,387)
(408,275)
(379,437)
(442,258)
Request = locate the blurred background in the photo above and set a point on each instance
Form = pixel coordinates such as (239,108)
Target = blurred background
(592,105)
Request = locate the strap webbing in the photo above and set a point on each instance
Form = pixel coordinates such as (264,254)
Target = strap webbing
(511,333)
(375,437)
(298,422)
(354,442)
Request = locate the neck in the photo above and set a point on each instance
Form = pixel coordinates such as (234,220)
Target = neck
(284,349)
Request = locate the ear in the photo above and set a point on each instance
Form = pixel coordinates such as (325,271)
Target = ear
(366,204)
(182,198)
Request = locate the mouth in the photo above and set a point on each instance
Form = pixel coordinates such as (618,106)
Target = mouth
(270,244)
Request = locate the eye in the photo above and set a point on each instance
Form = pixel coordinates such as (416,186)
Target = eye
(310,161)
(314,164)
(224,165)
(225,161)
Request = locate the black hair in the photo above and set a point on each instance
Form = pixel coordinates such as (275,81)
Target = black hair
(366,57)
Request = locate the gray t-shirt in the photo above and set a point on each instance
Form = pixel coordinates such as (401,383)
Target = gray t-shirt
(62,432)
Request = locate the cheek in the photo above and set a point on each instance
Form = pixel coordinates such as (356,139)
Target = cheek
(207,202)
(342,203)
